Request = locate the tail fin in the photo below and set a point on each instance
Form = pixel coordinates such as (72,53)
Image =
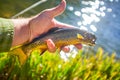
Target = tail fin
(21,55)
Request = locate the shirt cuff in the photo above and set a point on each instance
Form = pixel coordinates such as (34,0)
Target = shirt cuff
(6,34)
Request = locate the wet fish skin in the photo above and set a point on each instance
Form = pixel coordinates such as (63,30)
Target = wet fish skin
(60,36)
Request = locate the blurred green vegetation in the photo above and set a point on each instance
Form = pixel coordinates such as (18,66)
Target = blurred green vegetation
(85,66)
(10,8)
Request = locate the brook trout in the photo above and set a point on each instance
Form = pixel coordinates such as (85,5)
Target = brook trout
(60,36)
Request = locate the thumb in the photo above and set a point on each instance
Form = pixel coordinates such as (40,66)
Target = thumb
(53,12)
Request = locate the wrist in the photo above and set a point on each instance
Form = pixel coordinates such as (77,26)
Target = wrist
(21,31)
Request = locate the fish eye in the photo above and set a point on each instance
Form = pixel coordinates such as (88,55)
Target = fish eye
(93,40)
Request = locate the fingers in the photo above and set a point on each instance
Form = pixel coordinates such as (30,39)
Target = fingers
(63,25)
(66,49)
(51,45)
(78,46)
(53,12)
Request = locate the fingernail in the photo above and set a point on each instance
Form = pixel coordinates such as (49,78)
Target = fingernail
(51,45)
(79,46)
(66,49)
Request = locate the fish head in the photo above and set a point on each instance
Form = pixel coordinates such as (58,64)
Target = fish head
(86,38)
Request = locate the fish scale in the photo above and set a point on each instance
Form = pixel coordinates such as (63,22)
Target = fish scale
(60,37)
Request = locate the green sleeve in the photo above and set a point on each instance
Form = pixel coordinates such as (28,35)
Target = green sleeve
(6,34)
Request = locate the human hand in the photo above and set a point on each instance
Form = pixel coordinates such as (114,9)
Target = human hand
(43,22)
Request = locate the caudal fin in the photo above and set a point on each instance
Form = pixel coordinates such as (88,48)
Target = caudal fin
(20,54)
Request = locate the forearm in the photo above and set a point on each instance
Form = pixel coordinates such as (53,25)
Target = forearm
(21,31)
(6,34)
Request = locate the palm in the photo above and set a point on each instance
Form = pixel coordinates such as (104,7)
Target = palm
(45,20)
(41,24)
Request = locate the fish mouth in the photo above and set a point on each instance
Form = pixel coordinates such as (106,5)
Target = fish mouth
(92,44)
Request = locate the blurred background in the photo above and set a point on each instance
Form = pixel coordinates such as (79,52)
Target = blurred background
(102,17)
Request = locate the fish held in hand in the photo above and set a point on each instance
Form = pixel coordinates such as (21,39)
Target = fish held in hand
(60,37)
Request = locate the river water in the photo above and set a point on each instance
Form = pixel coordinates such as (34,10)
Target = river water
(102,17)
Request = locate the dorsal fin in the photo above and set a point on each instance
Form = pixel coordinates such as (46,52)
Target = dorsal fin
(44,34)
(53,30)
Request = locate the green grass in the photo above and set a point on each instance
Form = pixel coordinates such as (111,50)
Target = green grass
(85,66)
